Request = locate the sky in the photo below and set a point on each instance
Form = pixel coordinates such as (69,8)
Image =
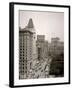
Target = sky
(50,24)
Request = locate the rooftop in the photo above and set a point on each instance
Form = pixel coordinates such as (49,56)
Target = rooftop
(29,27)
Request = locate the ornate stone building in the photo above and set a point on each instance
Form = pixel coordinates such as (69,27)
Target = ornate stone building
(27,49)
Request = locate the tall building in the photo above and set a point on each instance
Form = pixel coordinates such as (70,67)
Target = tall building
(42,47)
(56,50)
(56,46)
(27,49)
(43,58)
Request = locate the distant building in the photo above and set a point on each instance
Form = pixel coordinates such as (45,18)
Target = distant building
(27,49)
(42,47)
(55,40)
(56,50)
(41,38)
(56,46)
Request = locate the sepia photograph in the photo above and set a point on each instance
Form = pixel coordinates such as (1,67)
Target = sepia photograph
(39,45)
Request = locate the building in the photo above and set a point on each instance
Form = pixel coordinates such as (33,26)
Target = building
(56,50)
(27,49)
(43,60)
(42,47)
(56,46)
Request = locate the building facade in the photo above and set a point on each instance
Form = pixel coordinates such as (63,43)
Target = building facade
(56,46)
(56,51)
(42,47)
(27,49)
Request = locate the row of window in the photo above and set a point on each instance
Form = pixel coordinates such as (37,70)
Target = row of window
(22,67)
(26,35)
(22,58)
(25,46)
(25,58)
(21,52)
(26,49)
(24,64)
(22,72)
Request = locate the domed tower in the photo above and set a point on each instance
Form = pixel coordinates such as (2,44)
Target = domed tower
(27,46)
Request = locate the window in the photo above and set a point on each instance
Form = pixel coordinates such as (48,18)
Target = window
(20,58)
(23,67)
(20,55)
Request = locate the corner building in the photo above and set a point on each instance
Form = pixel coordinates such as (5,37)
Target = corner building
(27,49)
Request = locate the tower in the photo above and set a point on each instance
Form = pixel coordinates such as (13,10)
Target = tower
(27,49)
